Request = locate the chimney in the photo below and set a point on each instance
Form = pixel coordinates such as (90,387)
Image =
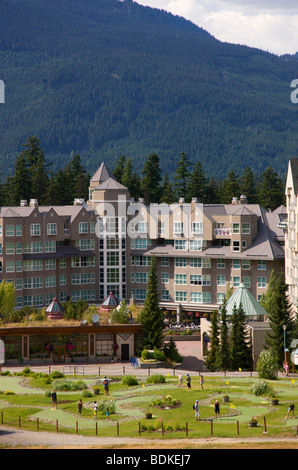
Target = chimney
(78,201)
(181,200)
(33,203)
(235,200)
(23,203)
(243,199)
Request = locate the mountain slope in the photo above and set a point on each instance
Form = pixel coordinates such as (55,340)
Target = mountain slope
(105,78)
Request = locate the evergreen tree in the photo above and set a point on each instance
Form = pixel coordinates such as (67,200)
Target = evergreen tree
(167,193)
(224,338)
(182,175)
(18,186)
(229,188)
(151,316)
(247,185)
(212,193)
(197,184)
(131,180)
(150,184)
(37,168)
(212,359)
(278,309)
(240,347)
(119,169)
(271,190)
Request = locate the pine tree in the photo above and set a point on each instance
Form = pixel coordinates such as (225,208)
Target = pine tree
(197,184)
(240,347)
(150,184)
(247,185)
(37,168)
(18,186)
(279,316)
(119,169)
(229,188)
(212,359)
(182,175)
(151,316)
(224,338)
(131,180)
(271,190)
(167,193)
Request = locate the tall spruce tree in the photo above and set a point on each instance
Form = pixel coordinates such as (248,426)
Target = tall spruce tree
(151,181)
(167,193)
(212,359)
(271,190)
(240,347)
(279,313)
(182,175)
(247,185)
(151,316)
(224,357)
(197,184)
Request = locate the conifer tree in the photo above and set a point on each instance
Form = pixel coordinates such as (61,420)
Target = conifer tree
(182,175)
(240,347)
(119,169)
(212,360)
(224,338)
(197,184)
(150,183)
(278,309)
(167,193)
(151,316)
(271,190)
(247,185)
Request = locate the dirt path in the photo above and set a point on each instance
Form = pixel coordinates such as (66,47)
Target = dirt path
(18,438)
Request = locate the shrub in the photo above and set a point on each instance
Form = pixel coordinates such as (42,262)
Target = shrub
(146,355)
(262,388)
(103,405)
(156,379)
(87,394)
(56,374)
(8,392)
(129,380)
(69,385)
(267,366)
(159,355)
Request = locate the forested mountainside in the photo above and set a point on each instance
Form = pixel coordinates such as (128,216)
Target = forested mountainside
(104,78)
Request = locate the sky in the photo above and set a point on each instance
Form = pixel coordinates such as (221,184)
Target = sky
(270,25)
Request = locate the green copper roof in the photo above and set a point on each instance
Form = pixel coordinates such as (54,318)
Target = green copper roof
(249,304)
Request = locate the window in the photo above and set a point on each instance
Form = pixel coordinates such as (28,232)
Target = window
(62,263)
(19,284)
(246,281)
(83,227)
(19,266)
(236,263)
(235,228)
(52,229)
(220,297)
(236,245)
(165,295)
(92,227)
(62,280)
(200,297)
(19,230)
(165,278)
(195,245)
(50,264)
(10,266)
(262,282)
(261,265)
(180,262)
(236,281)
(195,279)
(112,258)
(50,281)
(34,230)
(180,278)
(195,262)
(178,228)
(221,280)
(142,277)
(246,264)
(197,227)
(206,263)
(246,228)
(9,230)
(221,263)
(180,245)
(165,261)
(141,294)
(143,227)
(180,296)
(10,247)
(19,248)
(112,275)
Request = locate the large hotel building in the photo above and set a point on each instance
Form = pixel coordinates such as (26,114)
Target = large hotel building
(105,244)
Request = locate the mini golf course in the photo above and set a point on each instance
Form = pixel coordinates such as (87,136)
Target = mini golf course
(25,401)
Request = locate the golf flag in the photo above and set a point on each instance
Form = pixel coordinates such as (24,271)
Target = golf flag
(293,381)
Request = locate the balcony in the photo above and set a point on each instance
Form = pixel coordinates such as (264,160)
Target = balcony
(222,232)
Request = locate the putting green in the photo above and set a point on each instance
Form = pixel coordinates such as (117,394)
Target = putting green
(13,384)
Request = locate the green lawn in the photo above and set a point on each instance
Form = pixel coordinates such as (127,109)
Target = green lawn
(24,399)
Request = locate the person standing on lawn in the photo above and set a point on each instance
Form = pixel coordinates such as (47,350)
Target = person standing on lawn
(188,381)
(197,410)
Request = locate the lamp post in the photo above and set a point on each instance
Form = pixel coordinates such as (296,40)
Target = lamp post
(285,345)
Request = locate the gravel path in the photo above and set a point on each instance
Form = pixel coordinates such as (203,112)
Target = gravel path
(18,438)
